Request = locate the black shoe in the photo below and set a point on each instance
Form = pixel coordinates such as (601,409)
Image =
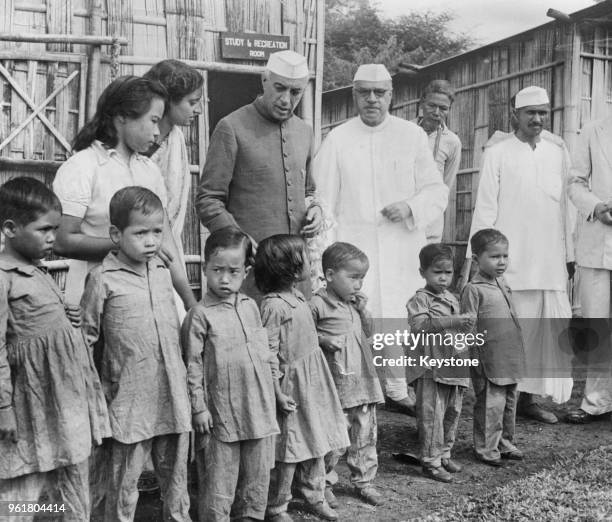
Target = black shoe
(496,463)
(439,474)
(536,412)
(451,466)
(580,416)
(514,454)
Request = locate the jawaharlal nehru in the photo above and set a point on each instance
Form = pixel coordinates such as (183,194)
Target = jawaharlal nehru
(257,174)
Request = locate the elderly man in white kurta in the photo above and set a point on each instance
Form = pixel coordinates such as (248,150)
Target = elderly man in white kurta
(377,176)
(522,193)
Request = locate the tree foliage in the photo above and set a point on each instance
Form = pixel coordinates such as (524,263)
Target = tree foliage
(355,33)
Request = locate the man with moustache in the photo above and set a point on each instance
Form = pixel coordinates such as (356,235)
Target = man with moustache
(522,193)
(377,177)
(257,174)
(445,145)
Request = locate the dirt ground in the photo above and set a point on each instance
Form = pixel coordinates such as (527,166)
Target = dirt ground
(410,496)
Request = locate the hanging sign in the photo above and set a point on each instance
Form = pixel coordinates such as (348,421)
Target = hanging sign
(252,46)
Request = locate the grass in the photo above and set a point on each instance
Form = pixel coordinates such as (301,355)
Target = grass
(575,487)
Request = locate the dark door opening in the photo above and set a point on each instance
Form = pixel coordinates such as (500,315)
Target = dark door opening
(228,92)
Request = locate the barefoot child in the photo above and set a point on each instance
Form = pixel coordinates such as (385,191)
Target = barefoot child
(343,325)
(128,300)
(229,367)
(47,382)
(502,357)
(434,310)
(311,419)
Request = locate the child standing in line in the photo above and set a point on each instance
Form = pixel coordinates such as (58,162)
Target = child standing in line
(311,419)
(502,357)
(344,324)
(434,310)
(128,300)
(51,405)
(229,367)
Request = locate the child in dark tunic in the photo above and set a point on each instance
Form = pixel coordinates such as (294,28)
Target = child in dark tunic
(502,357)
(229,367)
(51,402)
(435,310)
(344,325)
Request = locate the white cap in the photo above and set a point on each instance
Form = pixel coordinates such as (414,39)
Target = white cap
(288,64)
(372,72)
(531,96)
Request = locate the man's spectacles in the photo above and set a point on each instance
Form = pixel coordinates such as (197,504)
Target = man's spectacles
(365,93)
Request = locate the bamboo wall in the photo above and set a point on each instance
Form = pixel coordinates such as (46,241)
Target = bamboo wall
(151,30)
(571,60)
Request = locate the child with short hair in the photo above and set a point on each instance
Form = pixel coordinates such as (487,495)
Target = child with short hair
(434,309)
(344,325)
(51,405)
(229,368)
(502,357)
(128,300)
(311,418)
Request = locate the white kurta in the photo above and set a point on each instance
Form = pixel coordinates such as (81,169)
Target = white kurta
(522,193)
(359,170)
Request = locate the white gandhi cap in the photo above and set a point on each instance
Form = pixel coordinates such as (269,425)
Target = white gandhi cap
(288,64)
(531,96)
(372,72)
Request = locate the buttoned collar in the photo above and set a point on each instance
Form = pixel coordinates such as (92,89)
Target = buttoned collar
(329,298)
(444,296)
(111,263)
(478,279)
(293,298)
(211,299)
(263,112)
(8,263)
(105,154)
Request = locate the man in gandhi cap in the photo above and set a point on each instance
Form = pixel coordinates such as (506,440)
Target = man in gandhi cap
(257,174)
(377,177)
(522,193)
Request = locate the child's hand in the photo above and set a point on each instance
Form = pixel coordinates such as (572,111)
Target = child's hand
(466,321)
(202,422)
(285,403)
(8,426)
(165,254)
(331,344)
(73,312)
(360,300)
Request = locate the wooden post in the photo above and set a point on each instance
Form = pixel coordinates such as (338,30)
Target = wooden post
(319,70)
(93,79)
(571,91)
(203,131)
